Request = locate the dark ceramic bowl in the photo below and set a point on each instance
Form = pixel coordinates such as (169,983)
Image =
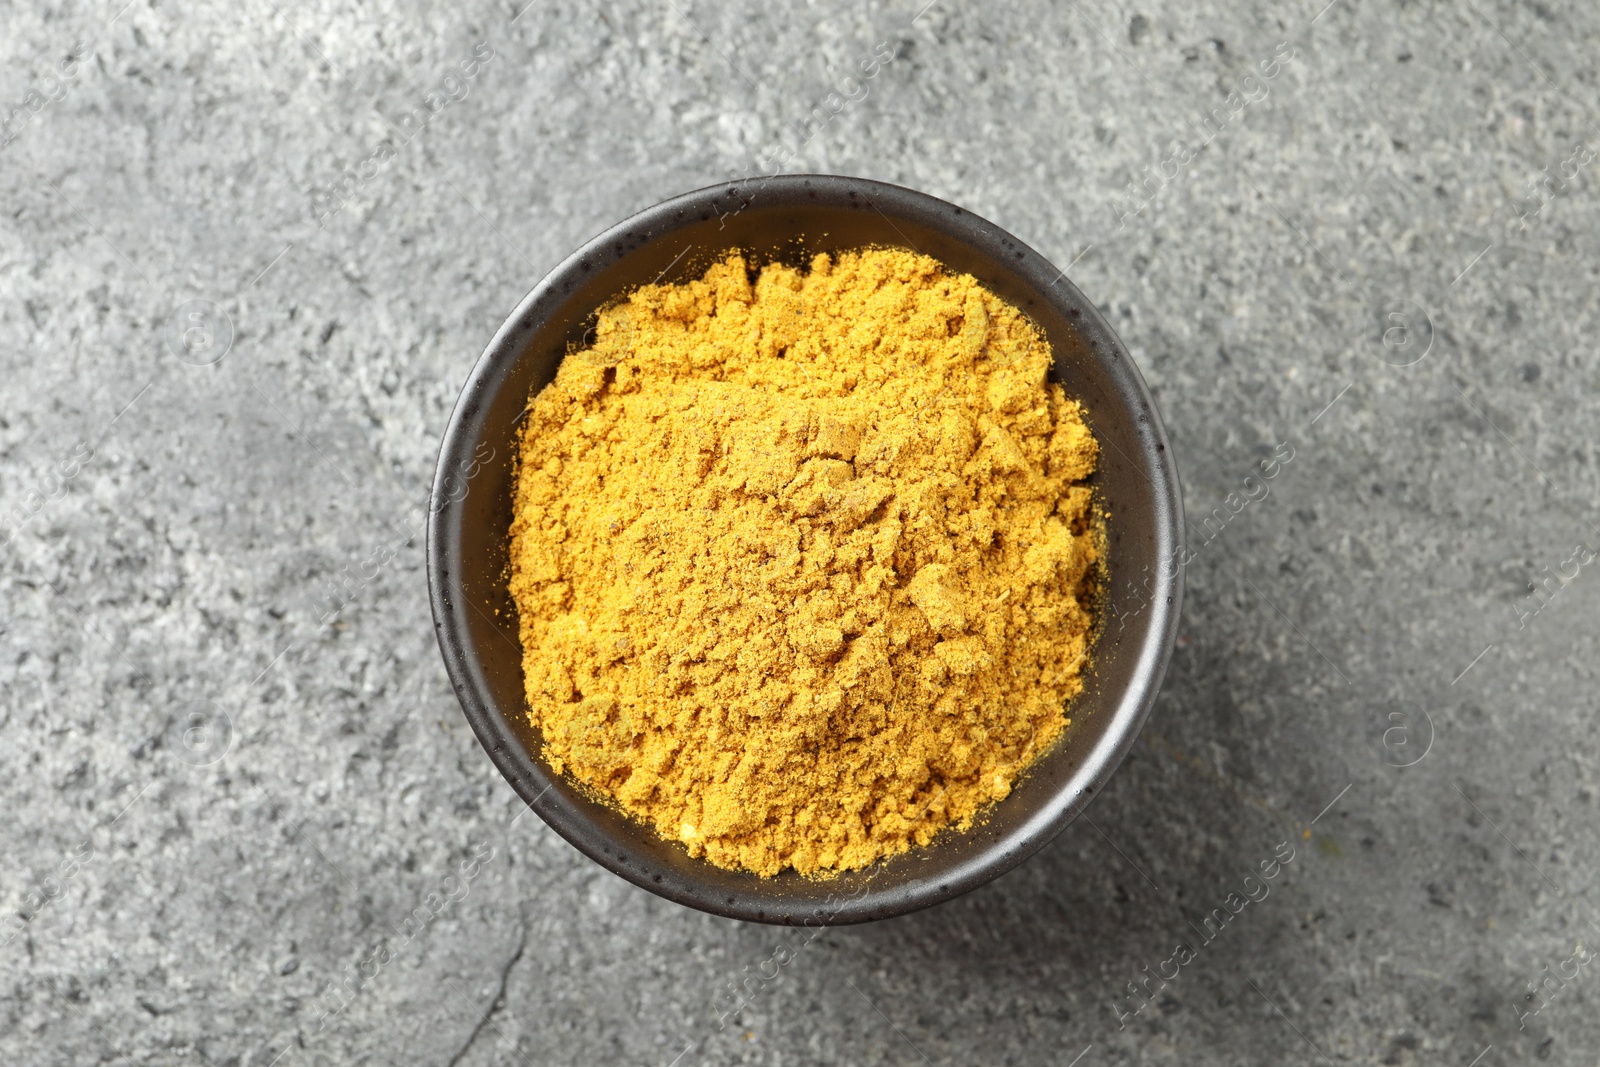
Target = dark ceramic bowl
(792,218)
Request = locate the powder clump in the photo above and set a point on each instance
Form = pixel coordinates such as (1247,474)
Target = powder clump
(803,559)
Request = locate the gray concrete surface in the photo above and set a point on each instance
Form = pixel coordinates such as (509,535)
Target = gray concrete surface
(222,805)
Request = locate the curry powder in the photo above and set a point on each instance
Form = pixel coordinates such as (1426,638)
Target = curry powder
(803,559)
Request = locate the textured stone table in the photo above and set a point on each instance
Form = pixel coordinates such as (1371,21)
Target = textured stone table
(1364,235)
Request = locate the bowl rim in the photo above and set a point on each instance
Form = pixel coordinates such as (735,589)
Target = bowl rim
(534,782)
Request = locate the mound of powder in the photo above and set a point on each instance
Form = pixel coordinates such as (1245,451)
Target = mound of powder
(802,559)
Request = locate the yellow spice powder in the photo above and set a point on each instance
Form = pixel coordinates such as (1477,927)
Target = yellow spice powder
(803,559)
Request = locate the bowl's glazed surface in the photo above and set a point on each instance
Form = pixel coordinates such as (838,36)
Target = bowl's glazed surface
(792,218)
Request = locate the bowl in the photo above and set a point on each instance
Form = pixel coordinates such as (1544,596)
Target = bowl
(791,218)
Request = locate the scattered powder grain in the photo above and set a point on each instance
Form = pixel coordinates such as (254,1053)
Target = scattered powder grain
(803,560)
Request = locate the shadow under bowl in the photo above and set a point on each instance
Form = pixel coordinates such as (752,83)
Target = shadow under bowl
(792,218)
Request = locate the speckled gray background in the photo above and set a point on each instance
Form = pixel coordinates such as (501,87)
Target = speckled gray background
(224,800)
